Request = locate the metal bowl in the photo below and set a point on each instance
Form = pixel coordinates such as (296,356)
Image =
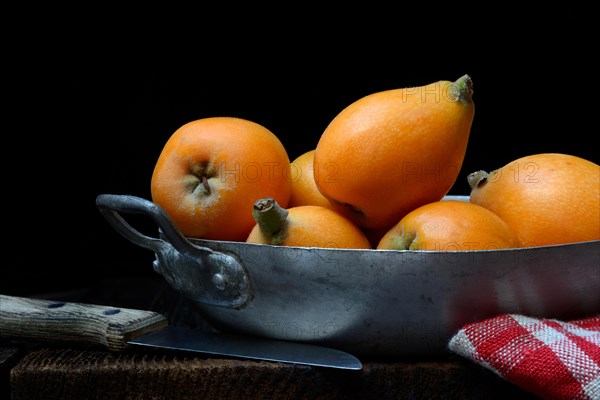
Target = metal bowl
(369,302)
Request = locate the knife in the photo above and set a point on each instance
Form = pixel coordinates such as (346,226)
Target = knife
(118,329)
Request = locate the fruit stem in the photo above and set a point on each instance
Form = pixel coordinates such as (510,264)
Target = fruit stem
(406,241)
(477,178)
(462,89)
(205,183)
(271,219)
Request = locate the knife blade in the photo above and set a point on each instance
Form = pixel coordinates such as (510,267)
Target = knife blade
(118,328)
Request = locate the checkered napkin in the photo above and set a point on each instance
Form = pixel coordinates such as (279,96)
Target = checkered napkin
(549,358)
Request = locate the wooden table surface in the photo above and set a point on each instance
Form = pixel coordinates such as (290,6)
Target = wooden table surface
(42,371)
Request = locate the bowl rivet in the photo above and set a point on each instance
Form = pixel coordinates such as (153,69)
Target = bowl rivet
(156,266)
(219,281)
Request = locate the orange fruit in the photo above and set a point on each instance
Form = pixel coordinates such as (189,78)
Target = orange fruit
(392,151)
(305,226)
(212,170)
(547,198)
(304,188)
(449,225)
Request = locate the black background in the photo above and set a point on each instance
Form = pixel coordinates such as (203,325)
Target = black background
(91,101)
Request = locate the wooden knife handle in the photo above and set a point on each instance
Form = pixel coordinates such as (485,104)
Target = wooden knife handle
(84,324)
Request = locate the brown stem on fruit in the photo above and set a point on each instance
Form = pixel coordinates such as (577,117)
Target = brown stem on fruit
(271,219)
(462,89)
(406,241)
(205,184)
(476,179)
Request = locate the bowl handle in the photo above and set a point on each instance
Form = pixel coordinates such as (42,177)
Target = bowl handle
(202,274)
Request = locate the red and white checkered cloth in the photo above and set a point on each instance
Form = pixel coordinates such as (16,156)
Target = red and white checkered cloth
(549,358)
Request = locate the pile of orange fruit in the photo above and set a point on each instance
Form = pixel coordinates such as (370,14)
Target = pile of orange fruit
(376,179)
